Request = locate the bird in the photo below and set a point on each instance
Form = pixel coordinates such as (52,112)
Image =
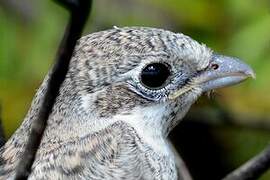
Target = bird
(125,90)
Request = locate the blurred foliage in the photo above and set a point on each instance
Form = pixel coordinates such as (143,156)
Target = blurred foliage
(232,27)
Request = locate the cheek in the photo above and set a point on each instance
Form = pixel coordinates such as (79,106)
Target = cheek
(116,100)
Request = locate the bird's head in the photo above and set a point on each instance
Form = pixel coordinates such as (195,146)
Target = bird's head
(146,77)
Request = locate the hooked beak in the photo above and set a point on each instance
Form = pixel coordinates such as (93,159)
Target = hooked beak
(223,71)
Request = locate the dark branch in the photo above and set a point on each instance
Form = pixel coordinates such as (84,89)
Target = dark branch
(252,169)
(217,115)
(79,11)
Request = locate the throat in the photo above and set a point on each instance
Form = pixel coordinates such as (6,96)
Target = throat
(151,124)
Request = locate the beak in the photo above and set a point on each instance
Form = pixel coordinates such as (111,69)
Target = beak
(223,71)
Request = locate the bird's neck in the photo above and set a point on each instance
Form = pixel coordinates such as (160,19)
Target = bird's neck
(151,124)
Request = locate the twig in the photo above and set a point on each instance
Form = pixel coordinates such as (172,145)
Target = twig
(252,169)
(217,115)
(79,11)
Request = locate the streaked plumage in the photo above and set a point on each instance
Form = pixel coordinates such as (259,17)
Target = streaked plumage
(106,124)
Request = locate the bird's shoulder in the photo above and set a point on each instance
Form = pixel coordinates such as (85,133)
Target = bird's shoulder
(116,152)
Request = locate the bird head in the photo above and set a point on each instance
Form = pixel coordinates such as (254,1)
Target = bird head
(146,77)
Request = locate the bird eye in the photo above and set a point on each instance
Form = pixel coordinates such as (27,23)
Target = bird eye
(155,75)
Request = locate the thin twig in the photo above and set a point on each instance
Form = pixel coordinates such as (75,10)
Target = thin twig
(79,11)
(252,169)
(260,163)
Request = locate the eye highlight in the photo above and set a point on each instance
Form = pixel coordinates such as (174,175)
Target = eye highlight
(154,75)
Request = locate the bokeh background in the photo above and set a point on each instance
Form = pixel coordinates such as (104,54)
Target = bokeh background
(220,132)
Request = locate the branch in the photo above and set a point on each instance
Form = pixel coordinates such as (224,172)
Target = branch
(252,169)
(218,115)
(79,11)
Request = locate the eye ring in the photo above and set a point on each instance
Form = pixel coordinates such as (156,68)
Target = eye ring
(155,75)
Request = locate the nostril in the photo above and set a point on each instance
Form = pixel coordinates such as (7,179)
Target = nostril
(214,66)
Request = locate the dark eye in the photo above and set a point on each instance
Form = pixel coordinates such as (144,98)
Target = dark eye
(155,75)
